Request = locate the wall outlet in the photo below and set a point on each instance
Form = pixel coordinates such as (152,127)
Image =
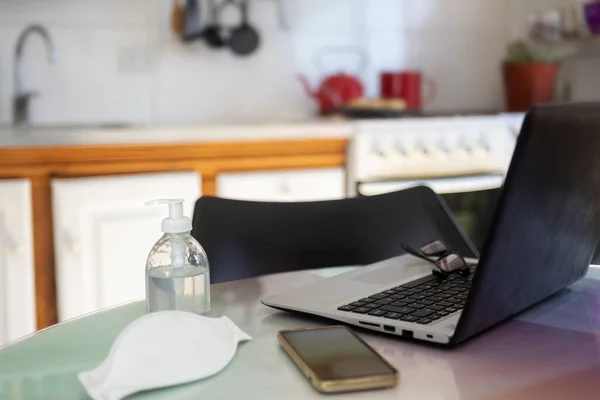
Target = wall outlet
(135,59)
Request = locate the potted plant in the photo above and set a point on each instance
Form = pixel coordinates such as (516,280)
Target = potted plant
(529,75)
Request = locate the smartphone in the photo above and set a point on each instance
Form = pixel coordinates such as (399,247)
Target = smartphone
(336,360)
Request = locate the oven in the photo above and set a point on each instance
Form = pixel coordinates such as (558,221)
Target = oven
(464,160)
(472,199)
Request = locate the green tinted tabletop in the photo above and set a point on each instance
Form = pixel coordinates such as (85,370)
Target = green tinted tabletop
(549,352)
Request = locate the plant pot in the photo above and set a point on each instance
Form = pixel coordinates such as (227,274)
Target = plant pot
(529,83)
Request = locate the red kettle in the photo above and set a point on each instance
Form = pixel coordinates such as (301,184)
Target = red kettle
(336,90)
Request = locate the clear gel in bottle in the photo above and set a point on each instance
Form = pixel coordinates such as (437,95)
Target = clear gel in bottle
(177,273)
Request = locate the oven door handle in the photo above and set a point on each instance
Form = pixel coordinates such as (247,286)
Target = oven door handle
(463,184)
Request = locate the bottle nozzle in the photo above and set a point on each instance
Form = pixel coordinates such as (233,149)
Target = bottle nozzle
(176,222)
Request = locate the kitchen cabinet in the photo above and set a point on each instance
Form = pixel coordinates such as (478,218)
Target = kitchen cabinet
(17,294)
(290,185)
(103,233)
(88,193)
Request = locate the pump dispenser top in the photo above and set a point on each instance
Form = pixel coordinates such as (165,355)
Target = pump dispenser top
(176,222)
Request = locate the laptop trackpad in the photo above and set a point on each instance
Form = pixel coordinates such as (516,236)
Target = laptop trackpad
(392,271)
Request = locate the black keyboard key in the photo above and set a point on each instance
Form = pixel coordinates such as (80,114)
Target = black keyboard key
(400,289)
(425,287)
(418,282)
(435,298)
(453,300)
(400,304)
(444,295)
(346,308)
(435,316)
(361,310)
(427,302)
(377,313)
(452,292)
(444,304)
(409,318)
(400,310)
(451,309)
(424,321)
(389,292)
(384,302)
(392,315)
(436,307)
(461,296)
(422,313)
(412,291)
(398,296)
(417,305)
(442,313)
(357,304)
(371,305)
(416,297)
(367,300)
(378,296)
(438,290)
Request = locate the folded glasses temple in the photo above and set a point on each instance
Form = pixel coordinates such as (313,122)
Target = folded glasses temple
(442,256)
(416,253)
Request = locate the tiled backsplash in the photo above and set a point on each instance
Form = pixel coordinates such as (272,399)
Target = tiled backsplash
(119,62)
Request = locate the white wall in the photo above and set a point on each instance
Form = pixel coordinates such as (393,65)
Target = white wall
(459,43)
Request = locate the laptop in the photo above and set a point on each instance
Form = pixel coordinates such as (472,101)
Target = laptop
(545,230)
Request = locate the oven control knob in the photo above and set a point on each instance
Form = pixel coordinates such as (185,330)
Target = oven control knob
(420,146)
(400,149)
(377,150)
(443,146)
(464,145)
(485,145)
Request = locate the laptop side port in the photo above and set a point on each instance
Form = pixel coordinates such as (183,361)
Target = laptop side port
(408,334)
(368,324)
(388,328)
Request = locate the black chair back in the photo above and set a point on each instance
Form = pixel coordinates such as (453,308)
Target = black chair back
(244,239)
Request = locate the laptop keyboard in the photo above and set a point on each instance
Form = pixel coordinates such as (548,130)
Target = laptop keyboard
(422,301)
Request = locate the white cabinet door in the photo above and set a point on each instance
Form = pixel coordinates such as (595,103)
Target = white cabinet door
(103,234)
(17,291)
(291,185)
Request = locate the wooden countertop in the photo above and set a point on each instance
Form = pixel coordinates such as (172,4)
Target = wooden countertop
(12,137)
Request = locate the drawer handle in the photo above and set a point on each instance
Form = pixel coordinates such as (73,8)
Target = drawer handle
(71,244)
(11,243)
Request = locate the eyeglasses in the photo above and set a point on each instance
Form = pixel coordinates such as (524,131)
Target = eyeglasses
(445,260)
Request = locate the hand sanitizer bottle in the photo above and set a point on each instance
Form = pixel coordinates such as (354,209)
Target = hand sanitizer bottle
(177,275)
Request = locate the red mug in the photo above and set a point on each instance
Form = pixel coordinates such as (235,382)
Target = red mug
(408,86)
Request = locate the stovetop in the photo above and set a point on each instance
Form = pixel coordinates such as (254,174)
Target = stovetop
(433,146)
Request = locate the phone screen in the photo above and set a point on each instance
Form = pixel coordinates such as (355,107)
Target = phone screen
(335,354)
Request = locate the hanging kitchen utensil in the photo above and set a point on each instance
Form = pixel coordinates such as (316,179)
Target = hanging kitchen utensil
(339,89)
(212,32)
(192,28)
(177,18)
(244,39)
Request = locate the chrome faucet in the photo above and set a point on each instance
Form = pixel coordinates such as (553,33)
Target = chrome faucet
(22,98)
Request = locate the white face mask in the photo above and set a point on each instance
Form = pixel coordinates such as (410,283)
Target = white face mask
(163,349)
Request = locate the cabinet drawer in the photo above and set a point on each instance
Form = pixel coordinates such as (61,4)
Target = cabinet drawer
(290,185)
